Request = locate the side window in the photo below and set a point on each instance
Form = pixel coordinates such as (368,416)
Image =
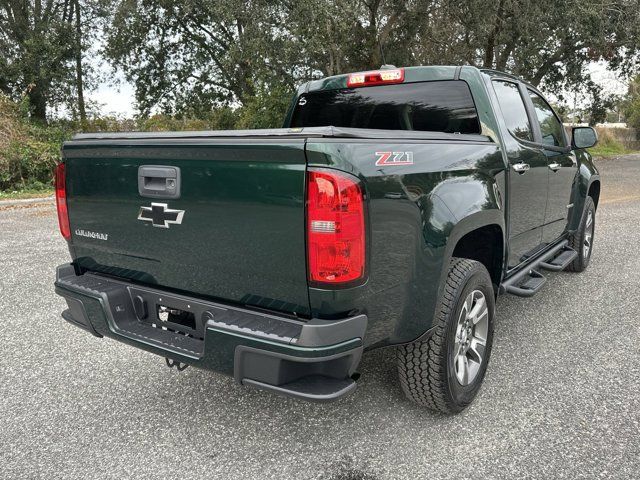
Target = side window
(550,126)
(513,110)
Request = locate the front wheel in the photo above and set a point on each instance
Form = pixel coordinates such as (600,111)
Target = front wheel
(445,371)
(582,239)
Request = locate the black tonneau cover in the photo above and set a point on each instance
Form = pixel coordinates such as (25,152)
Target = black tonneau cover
(316,132)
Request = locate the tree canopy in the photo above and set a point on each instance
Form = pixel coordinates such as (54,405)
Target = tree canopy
(42,47)
(190,57)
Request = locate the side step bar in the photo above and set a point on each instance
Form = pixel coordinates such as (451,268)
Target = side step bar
(529,281)
(562,261)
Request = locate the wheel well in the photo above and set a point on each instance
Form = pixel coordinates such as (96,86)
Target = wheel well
(484,245)
(594,192)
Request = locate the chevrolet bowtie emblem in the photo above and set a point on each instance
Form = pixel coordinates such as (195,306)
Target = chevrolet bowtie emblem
(160,215)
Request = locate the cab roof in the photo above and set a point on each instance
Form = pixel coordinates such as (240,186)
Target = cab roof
(411,74)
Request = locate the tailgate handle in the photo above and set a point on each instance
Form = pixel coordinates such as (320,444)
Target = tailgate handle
(158,181)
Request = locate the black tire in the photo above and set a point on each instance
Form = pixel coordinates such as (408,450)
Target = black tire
(584,233)
(428,368)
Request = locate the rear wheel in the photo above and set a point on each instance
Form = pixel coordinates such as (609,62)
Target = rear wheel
(445,371)
(582,239)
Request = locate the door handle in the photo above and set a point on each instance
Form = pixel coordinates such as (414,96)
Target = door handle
(521,167)
(159,181)
(555,166)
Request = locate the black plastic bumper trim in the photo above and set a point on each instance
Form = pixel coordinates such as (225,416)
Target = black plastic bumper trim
(79,321)
(265,326)
(311,389)
(312,360)
(319,379)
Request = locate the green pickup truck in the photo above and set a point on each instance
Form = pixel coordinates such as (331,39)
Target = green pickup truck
(390,211)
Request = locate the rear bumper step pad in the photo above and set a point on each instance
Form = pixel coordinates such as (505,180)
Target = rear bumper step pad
(313,360)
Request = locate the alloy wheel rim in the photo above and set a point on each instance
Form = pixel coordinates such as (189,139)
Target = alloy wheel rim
(471,337)
(588,236)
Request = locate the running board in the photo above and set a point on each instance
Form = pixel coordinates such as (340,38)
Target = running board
(561,261)
(529,281)
(528,284)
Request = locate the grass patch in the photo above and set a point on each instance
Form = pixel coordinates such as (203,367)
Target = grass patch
(609,145)
(26,193)
(606,151)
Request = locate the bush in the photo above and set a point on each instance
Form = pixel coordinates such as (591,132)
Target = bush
(608,143)
(633,114)
(28,152)
(265,110)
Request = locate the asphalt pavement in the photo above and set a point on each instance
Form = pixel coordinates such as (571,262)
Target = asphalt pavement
(561,398)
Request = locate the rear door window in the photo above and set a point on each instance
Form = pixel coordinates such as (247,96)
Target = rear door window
(438,106)
(513,109)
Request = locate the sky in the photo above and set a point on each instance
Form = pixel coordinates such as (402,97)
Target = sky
(115,100)
(117,96)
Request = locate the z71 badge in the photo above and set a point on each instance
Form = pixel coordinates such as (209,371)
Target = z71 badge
(386,159)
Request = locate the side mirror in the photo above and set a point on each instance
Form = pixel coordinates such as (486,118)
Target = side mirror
(584,137)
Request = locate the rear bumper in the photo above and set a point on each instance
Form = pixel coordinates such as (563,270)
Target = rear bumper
(313,360)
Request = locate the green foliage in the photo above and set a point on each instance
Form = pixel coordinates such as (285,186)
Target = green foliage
(28,151)
(632,105)
(599,104)
(38,190)
(267,109)
(632,113)
(35,53)
(190,57)
(608,149)
(42,47)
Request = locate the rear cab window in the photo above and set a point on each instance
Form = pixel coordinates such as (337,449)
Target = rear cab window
(435,106)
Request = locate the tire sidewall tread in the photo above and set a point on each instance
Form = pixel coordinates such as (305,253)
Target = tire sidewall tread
(576,239)
(425,366)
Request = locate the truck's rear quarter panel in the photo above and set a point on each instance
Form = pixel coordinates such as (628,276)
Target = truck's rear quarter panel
(413,210)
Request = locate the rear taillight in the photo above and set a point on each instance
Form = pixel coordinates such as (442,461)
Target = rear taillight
(335,228)
(375,77)
(61,201)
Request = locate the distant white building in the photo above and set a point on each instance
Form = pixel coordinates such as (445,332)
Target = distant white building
(599,125)
(612,125)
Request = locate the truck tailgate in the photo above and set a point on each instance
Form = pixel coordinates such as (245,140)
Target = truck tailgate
(241,236)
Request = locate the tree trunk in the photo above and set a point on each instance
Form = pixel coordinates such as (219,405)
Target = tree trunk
(547,65)
(38,104)
(79,76)
(375,58)
(493,36)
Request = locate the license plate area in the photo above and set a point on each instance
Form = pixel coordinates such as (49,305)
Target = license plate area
(169,313)
(175,319)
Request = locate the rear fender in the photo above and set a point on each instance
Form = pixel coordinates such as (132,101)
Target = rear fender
(487,213)
(416,215)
